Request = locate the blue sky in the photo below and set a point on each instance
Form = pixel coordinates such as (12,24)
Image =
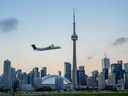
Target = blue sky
(99,24)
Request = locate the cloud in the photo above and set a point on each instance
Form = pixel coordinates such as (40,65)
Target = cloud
(9,24)
(120,41)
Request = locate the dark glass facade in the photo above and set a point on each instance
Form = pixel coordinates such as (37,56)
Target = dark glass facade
(67,70)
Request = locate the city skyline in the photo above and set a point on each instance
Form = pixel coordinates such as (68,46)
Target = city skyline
(38,80)
(101,26)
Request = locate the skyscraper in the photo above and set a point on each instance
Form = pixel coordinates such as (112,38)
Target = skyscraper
(105,67)
(117,71)
(7,73)
(74,37)
(43,71)
(81,77)
(13,77)
(67,70)
(126,75)
(95,75)
(7,68)
(36,72)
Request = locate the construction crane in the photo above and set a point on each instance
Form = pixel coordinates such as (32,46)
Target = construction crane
(51,47)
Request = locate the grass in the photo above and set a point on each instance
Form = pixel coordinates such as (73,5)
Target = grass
(80,93)
(4,94)
(73,94)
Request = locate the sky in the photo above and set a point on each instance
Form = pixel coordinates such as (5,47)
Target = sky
(101,26)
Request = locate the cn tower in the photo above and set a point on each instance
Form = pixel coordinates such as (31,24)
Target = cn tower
(74,37)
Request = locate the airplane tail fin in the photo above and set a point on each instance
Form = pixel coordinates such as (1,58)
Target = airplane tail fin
(33,46)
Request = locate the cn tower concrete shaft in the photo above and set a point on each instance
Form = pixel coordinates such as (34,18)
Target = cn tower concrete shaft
(74,37)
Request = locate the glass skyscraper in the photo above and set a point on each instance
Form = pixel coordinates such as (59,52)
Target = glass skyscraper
(81,77)
(67,70)
(43,71)
(7,74)
(105,67)
(117,71)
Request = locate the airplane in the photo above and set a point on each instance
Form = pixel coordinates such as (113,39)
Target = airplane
(51,47)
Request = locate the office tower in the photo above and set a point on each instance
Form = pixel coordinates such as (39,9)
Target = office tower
(1,82)
(7,74)
(67,70)
(118,74)
(105,67)
(91,83)
(81,77)
(13,73)
(19,78)
(110,82)
(19,74)
(13,77)
(36,73)
(74,37)
(59,73)
(7,68)
(35,76)
(43,71)
(117,70)
(126,75)
(95,74)
(59,83)
(25,78)
(101,81)
(30,77)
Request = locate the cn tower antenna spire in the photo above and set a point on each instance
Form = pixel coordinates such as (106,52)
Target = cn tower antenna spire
(74,22)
